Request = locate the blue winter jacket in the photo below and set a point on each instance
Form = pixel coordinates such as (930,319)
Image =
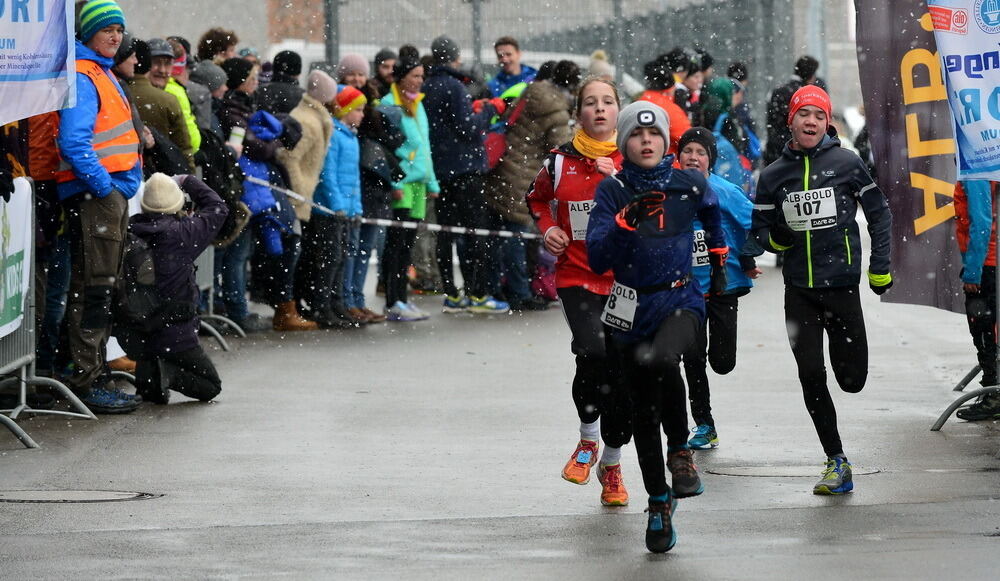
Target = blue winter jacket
(736,209)
(339,187)
(456,131)
(415,153)
(657,252)
(503,81)
(76,134)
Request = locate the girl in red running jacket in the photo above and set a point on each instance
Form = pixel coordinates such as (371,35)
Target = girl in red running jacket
(560,200)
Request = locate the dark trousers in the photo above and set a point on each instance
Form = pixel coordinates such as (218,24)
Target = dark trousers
(715,346)
(324,246)
(652,370)
(463,203)
(97,229)
(398,247)
(279,269)
(980,310)
(837,311)
(597,389)
(189,373)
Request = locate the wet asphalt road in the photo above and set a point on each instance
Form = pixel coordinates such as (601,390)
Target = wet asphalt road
(432,451)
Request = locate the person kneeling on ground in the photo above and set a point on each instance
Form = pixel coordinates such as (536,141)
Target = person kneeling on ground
(165,344)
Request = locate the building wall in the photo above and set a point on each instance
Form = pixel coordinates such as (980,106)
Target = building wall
(191,18)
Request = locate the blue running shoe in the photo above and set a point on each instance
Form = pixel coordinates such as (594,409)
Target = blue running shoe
(704,438)
(660,533)
(457,304)
(837,478)
(488,305)
(104,401)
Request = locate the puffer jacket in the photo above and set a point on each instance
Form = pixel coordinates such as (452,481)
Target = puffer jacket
(415,153)
(339,187)
(736,209)
(820,191)
(542,126)
(305,162)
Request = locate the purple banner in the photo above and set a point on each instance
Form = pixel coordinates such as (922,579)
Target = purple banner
(909,120)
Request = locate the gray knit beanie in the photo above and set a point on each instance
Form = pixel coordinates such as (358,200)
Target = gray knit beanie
(642,114)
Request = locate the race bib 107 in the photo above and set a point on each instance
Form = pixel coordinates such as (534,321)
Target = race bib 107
(810,210)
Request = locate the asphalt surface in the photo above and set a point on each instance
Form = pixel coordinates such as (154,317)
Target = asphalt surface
(432,450)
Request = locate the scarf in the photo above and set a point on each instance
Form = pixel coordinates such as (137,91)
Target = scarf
(592,148)
(648,180)
(405,102)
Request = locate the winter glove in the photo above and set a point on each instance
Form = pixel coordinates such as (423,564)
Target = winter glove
(718,281)
(6,184)
(879,282)
(641,206)
(499,104)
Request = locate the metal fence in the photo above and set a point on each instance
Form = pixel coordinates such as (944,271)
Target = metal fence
(17,365)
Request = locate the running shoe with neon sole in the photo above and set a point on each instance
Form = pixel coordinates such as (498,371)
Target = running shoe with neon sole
(704,438)
(660,533)
(577,470)
(613,491)
(488,305)
(684,471)
(457,304)
(837,478)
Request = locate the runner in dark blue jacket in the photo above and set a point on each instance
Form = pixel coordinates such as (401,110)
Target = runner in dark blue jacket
(641,229)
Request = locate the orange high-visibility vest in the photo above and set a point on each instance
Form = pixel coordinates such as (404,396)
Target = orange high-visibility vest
(114,141)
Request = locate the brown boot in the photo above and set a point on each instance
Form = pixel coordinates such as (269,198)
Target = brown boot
(123,363)
(286,318)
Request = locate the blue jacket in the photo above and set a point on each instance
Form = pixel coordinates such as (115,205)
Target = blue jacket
(456,131)
(736,210)
(503,81)
(75,140)
(339,187)
(655,253)
(415,153)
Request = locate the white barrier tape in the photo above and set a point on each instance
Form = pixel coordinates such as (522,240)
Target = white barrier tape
(419,226)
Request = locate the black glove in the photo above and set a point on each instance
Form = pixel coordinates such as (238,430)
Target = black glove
(718,281)
(640,207)
(879,283)
(6,184)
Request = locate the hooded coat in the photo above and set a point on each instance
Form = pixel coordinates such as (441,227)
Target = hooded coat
(542,126)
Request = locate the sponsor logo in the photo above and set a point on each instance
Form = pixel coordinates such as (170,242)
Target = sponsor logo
(988,15)
(954,20)
(829,173)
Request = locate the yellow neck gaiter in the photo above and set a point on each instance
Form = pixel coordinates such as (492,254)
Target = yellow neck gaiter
(409,106)
(593,148)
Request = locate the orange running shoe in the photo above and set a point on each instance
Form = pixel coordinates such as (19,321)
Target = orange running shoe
(577,470)
(613,493)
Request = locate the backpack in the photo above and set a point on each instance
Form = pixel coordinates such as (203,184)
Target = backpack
(496,136)
(139,307)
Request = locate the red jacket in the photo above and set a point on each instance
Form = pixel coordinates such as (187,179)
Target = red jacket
(567,183)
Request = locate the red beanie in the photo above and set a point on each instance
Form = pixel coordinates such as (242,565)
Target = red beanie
(349,99)
(809,95)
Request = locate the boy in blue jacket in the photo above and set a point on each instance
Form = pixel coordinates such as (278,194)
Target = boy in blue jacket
(716,344)
(642,229)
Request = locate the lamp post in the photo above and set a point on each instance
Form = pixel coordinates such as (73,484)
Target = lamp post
(331,30)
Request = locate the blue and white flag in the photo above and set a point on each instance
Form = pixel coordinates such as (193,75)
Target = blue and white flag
(37,57)
(968,39)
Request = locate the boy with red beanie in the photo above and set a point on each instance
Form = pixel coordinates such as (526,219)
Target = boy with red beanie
(806,206)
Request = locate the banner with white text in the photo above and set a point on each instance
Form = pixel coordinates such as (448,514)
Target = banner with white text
(967,34)
(37,52)
(906,108)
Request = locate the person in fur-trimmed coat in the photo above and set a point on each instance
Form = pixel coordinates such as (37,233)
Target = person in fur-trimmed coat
(305,162)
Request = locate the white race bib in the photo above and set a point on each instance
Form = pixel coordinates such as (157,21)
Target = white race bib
(579,218)
(700,254)
(619,311)
(810,210)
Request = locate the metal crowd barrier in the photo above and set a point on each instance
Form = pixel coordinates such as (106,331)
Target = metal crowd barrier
(17,353)
(204,276)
